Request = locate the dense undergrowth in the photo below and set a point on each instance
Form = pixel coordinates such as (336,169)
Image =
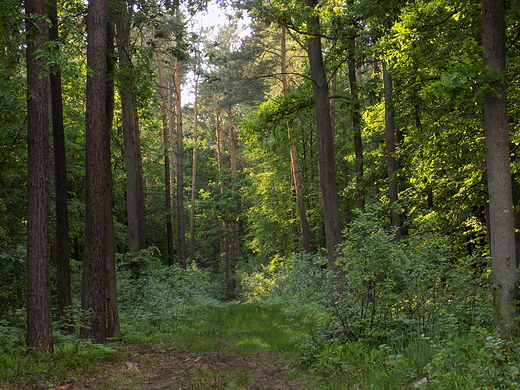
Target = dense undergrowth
(409,314)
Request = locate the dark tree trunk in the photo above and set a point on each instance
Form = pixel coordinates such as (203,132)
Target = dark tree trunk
(501,225)
(356,125)
(131,135)
(61,259)
(327,174)
(167,170)
(113,321)
(194,164)
(393,188)
(95,263)
(39,321)
(181,230)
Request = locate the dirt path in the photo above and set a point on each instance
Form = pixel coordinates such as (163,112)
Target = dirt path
(171,369)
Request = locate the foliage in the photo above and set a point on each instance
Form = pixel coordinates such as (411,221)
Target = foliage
(163,298)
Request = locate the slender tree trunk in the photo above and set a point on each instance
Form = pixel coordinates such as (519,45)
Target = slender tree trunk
(327,173)
(356,125)
(131,135)
(113,320)
(39,321)
(95,264)
(502,233)
(295,166)
(181,230)
(194,165)
(167,181)
(61,259)
(393,189)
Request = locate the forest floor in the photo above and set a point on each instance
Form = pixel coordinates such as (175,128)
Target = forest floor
(170,368)
(238,346)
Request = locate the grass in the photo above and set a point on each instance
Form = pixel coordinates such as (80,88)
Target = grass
(241,329)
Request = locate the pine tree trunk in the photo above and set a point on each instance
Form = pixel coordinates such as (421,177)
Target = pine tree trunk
(194,167)
(94,265)
(61,259)
(327,174)
(501,225)
(167,180)
(181,230)
(39,321)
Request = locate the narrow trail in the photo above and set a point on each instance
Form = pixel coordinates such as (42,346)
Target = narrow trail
(171,369)
(237,347)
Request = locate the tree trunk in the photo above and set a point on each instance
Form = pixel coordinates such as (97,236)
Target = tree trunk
(113,321)
(194,164)
(39,321)
(61,259)
(327,174)
(356,125)
(131,136)
(94,265)
(295,167)
(167,181)
(181,231)
(501,225)
(393,189)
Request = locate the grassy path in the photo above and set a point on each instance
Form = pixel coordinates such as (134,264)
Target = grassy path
(237,347)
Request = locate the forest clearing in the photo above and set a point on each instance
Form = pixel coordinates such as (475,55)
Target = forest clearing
(307,194)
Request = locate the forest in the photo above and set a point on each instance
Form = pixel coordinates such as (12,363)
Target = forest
(340,177)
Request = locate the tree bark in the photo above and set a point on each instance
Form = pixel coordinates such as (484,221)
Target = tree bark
(113,320)
(131,136)
(167,181)
(94,265)
(393,188)
(327,174)
(501,224)
(181,230)
(39,321)
(61,253)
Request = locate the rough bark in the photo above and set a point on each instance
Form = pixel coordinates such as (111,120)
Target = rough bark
(94,265)
(39,321)
(501,224)
(113,320)
(61,246)
(327,174)
(393,188)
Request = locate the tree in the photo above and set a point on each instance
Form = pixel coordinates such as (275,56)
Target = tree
(39,321)
(94,265)
(61,246)
(327,173)
(131,134)
(501,224)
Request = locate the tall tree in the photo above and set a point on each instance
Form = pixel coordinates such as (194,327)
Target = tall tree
(167,170)
(393,188)
(194,155)
(327,173)
(94,265)
(295,166)
(131,134)
(501,224)
(181,230)
(39,321)
(61,246)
